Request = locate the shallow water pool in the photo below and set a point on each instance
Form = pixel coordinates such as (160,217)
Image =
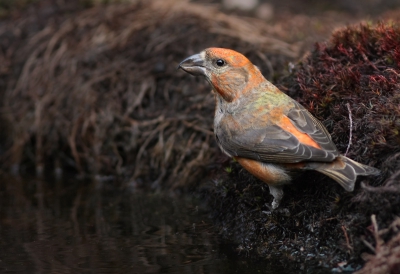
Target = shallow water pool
(70,226)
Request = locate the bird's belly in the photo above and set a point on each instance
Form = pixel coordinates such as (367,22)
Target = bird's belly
(271,174)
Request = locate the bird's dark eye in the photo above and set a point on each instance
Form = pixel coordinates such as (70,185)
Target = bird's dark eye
(220,62)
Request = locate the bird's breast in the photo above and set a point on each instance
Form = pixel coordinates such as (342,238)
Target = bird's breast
(221,130)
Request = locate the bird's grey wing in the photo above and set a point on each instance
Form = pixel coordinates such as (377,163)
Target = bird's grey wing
(272,143)
(305,122)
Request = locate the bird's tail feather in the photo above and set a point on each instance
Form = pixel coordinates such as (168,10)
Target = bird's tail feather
(345,171)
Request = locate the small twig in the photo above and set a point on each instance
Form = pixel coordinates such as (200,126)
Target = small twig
(267,62)
(375,232)
(374,223)
(367,244)
(393,179)
(381,189)
(378,239)
(347,238)
(197,128)
(351,129)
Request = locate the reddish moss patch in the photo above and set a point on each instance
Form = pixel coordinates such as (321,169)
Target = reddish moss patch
(357,70)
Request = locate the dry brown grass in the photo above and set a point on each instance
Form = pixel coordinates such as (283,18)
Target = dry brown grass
(99,90)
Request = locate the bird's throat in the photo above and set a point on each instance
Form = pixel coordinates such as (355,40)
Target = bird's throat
(226,94)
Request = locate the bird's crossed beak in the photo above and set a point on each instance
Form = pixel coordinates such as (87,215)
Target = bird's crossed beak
(194,65)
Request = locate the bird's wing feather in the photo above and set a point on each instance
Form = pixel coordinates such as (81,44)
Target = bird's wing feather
(307,123)
(272,143)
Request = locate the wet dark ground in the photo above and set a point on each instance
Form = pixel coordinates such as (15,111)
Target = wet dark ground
(70,226)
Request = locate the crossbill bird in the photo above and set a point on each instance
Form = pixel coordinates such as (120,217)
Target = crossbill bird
(263,129)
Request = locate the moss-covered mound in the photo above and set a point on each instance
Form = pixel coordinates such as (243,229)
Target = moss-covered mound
(352,84)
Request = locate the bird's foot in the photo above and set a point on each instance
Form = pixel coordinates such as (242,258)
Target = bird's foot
(279,211)
(277,192)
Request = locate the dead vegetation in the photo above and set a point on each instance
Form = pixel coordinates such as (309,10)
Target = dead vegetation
(98,91)
(387,253)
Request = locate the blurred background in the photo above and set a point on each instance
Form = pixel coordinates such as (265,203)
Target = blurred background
(91,86)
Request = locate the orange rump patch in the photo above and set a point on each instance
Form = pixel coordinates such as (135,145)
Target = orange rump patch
(287,125)
(268,175)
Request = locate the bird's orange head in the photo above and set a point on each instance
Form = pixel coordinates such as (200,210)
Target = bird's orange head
(230,73)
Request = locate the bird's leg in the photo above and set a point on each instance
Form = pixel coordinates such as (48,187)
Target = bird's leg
(277,192)
(273,175)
